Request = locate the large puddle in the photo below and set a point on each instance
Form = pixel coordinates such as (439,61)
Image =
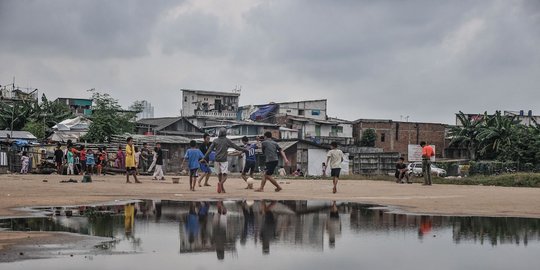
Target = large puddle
(283,235)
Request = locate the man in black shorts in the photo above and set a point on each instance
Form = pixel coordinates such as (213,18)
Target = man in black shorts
(270,150)
(334,158)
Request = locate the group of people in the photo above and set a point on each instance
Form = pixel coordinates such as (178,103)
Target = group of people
(79,160)
(402,172)
(198,158)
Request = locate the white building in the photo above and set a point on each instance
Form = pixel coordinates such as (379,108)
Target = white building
(210,104)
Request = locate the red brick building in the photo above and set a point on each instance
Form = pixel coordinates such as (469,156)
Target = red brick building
(395,136)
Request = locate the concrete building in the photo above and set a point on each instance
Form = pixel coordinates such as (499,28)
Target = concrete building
(209,104)
(319,131)
(312,109)
(395,136)
(11,93)
(78,106)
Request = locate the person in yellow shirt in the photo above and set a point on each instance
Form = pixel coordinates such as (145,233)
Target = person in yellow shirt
(131,168)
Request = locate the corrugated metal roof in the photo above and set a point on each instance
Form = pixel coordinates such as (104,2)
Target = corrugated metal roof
(25,135)
(214,93)
(165,139)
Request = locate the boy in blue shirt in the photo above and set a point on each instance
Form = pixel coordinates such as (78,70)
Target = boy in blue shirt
(251,160)
(193,156)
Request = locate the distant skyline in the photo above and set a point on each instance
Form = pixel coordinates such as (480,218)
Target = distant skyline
(370,59)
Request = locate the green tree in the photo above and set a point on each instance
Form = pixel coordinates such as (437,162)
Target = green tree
(496,134)
(108,119)
(37,128)
(466,134)
(369,137)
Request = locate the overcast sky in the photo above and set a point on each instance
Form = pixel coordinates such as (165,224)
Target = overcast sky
(370,59)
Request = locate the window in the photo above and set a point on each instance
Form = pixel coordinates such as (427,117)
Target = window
(383,137)
(185,99)
(301,112)
(315,112)
(289,111)
(397,131)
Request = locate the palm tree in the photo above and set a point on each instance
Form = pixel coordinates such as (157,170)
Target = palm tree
(466,134)
(497,133)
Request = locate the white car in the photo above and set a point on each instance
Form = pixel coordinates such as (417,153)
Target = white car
(415,169)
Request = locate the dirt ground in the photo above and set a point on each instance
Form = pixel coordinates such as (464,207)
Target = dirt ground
(18,191)
(30,190)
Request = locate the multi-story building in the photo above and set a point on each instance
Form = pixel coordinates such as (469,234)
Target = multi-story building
(319,131)
(209,104)
(312,109)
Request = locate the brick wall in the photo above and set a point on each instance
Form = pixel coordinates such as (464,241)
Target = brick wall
(398,135)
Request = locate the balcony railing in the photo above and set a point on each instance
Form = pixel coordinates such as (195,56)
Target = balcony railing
(216,114)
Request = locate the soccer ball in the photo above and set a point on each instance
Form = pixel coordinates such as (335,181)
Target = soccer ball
(250,181)
(250,203)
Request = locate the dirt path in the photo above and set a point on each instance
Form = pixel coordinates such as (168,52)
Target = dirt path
(30,190)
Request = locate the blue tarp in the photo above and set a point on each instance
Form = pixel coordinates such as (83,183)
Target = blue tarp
(20,143)
(263,112)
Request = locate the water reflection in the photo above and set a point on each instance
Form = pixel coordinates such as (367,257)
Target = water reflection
(221,227)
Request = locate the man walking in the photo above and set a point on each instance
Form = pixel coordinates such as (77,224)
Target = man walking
(427,153)
(221,145)
(145,157)
(334,158)
(270,149)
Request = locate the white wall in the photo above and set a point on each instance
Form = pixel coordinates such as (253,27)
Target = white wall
(316,157)
(308,107)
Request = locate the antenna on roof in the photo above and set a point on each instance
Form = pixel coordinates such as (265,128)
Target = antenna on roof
(237,89)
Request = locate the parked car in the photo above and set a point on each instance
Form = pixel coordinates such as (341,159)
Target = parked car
(415,169)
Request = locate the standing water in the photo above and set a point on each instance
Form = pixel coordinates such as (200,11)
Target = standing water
(282,235)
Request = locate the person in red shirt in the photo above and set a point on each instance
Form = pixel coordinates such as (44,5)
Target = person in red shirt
(427,153)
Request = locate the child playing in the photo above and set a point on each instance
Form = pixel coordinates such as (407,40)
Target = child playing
(271,150)
(251,160)
(130,161)
(334,158)
(70,162)
(90,161)
(25,161)
(193,156)
(221,145)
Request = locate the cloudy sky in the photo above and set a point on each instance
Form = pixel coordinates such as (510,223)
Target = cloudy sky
(370,59)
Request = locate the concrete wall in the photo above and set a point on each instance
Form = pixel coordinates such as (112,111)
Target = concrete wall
(309,107)
(398,135)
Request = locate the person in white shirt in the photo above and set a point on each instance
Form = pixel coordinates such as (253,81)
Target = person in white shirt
(334,158)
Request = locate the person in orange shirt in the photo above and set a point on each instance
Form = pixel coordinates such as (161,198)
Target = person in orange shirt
(427,153)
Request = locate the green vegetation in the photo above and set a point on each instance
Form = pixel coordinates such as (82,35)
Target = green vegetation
(369,137)
(33,116)
(499,137)
(108,119)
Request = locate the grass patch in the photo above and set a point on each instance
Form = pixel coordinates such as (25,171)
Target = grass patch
(503,180)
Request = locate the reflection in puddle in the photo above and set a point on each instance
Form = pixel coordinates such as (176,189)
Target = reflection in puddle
(235,230)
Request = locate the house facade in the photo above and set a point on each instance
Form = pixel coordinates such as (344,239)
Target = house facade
(209,104)
(395,136)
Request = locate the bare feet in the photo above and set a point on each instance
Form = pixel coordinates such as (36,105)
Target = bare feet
(128,182)
(278,189)
(259,190)
(219,188)
(207,185)
(138,182)
(335,189)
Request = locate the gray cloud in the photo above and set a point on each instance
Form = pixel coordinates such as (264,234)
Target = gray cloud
(371,59)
